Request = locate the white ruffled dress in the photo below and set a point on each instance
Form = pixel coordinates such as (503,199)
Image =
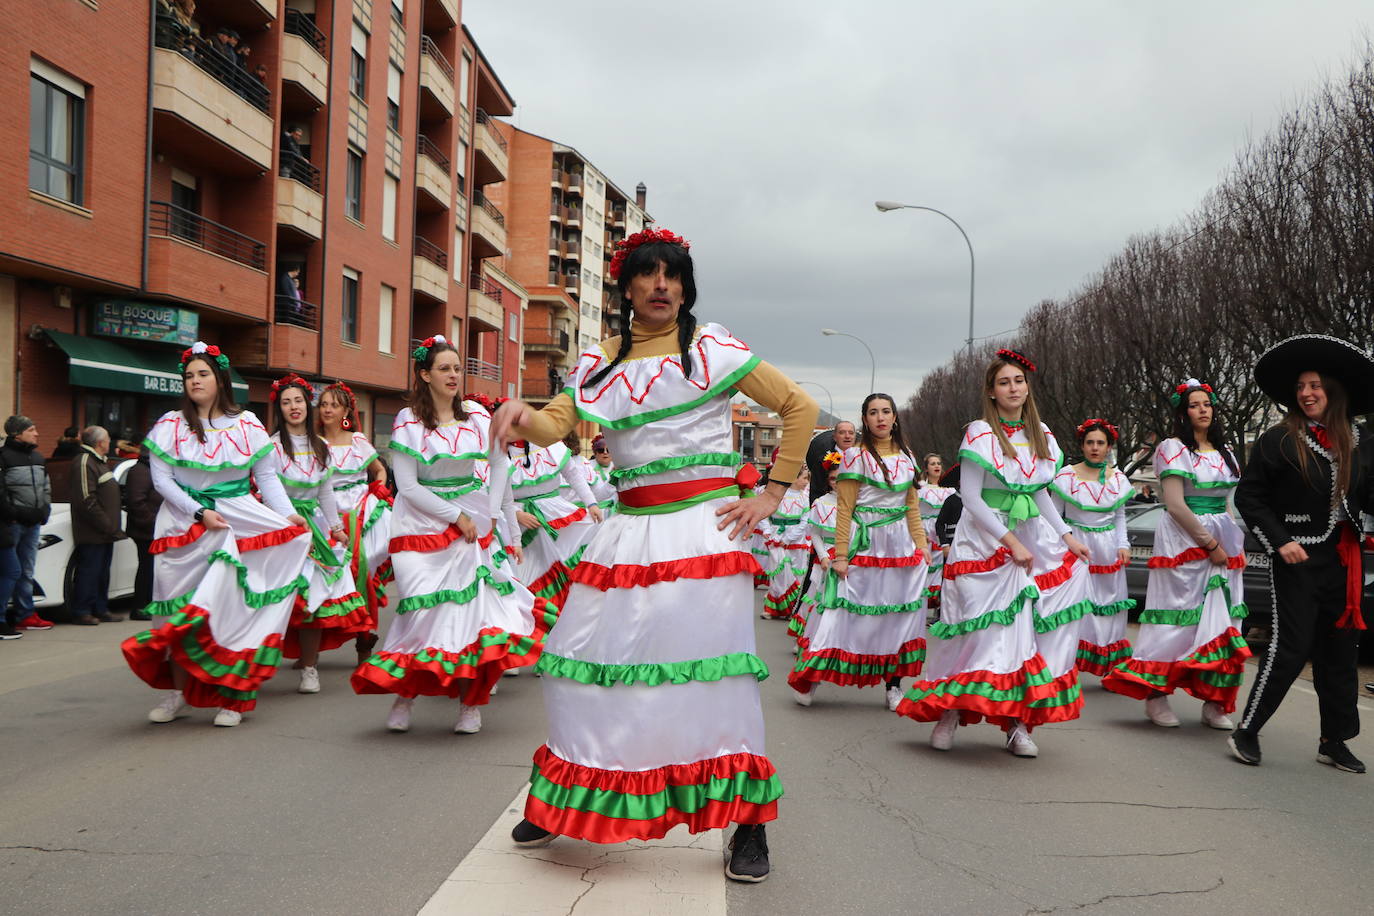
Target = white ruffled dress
(789,544)
(932,497)
(820,528)
(552,551)
(365,509)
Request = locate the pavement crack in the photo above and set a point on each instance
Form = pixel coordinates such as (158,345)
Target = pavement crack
(1167,893)
(1106,801)
(1122,855)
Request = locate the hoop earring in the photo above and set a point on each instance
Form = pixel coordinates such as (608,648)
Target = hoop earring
(346,424)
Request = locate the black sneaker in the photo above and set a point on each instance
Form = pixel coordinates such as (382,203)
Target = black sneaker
(7,631)
(528,835)
(1245,747)
(1369,688)
(140,615)
(748,854)
(1336,754)
(107,617)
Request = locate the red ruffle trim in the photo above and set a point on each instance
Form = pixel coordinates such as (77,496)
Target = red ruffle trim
(430,543)
(965,567)
(1120,649)
(173,541)
(270,539)
(152,661)
(1107,570)
(887,562)
(975,708)
(801,680)
(1058,576)
(1192,555)
(598,828)
(335,631)
(628,575)
(1123,679)
(560,523)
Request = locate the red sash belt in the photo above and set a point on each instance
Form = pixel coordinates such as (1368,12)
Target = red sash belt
(660,494)
(1348,549)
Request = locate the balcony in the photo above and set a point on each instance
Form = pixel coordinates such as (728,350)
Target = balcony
(296,312)
(430,270)
(199,96)
(436,82)
(560,179)
(484,302)
(539,387)
(616,217)
(488,228)
(574,182)
(548,338)
(304,69)
(299,206)
(432,176)
(491,162)
(200,261)
(441,14)
(572,284)
(574,216)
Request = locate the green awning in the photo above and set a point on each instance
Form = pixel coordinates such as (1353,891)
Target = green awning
(96,363)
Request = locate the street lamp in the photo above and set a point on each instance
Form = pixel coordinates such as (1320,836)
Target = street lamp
(873,363)
(886,205)
(828,395)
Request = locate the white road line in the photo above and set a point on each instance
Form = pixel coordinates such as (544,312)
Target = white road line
(678,875)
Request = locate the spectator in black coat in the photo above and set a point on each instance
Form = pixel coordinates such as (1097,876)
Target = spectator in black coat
(141,502)
(94,500)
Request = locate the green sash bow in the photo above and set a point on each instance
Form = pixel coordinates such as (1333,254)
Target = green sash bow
(222,490)
(1206,505)
(882,515)
(1018,506)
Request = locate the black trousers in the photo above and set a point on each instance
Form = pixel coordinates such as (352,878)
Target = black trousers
(143,580)
(1308,600)
(91,588)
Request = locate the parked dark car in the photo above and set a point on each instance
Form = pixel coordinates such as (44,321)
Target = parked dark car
(1141,521)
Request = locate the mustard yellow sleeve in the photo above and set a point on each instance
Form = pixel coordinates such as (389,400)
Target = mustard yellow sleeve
(551,422)
(846,494)
(913,519)
(768,386)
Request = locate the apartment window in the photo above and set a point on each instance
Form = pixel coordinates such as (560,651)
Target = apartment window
(384,318)
(57,145)
(463,80)
(353,205)
(390,200)
(350,306)
(186,204)
(458,259)
(393,97)
(462,162)
(586,276)
(513,326)
(398,9)
(357,66)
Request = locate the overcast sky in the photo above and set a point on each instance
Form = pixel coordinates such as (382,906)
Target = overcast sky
(766,129)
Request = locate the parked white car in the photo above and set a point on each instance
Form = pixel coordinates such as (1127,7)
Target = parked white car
(53,571)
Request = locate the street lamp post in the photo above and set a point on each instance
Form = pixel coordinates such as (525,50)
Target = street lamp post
(828,395)
(886,205)
(872,362)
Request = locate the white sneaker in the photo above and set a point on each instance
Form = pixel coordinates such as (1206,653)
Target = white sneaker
(310,680)
(1158,711)
(398,720)
(513,672)
(894,696)
(172,705)
(1213,717)
(804,697)
(1019,742)
(228,718)
(942,735)
(469,720)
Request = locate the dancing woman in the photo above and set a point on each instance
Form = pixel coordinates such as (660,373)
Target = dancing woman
(1188,637)
(599,475)
(871,615)
(789,542)
(650,677)
(820,537)
(226,567)
(932,497)
(554,528)
(461,618)
(1091,496)
(1015,585)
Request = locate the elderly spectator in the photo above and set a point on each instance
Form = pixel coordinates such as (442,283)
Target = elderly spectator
(95,500)
(845,435)
(29,494)
(141,502)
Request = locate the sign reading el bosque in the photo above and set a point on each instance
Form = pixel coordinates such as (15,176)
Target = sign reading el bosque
(146,321)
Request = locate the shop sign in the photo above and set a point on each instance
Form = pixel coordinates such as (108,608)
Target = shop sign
(146,321)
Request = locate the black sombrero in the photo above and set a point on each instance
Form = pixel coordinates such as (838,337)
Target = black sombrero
(1279,367)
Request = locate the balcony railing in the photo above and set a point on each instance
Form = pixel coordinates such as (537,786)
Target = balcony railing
(489,208)
(173,35)
(431,252)
(556,278)
(574,181)
(546,337)
(300,24)
(298,312)
(428,147)
(485,120)
(483,369)
(540,387)
(298,168)
(431,50)
(169,219)
(486,286)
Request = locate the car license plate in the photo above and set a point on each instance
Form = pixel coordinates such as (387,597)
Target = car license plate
(1141,553)
(1257,560)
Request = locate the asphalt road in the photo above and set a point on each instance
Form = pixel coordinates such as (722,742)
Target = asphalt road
(312,806)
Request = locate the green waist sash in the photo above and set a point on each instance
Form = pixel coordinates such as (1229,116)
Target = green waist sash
(530,504)
(320,548)
(1206,505)
(222,490)
(1018,506)
(452,487)
(878,516)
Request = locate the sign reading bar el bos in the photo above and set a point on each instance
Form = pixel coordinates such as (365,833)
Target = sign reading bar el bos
(146,321)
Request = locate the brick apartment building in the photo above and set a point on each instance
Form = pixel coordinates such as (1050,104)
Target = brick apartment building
(160,202)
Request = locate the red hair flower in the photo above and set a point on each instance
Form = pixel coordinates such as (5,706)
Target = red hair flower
(1012,356)
(1191,384)
(643,237)
(202,349)
(1086,426)
(290,381)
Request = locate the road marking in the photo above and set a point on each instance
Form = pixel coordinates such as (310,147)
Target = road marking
(679,874)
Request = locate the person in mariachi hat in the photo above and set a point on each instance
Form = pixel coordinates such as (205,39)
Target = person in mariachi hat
(1006,646)
(1091,496)
(227,567)
(871,613)
(461,617)
(650,677)
(329,611)
(358,479)
(1302,492)
(1188,637)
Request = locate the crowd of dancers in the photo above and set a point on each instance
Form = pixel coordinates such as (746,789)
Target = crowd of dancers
(977,592)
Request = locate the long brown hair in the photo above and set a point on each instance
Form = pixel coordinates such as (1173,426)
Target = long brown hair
(869,444)
(925,461)
(224,395)
(1338,431)
(317,443)
(340,392)
(421,402)
(1039,444)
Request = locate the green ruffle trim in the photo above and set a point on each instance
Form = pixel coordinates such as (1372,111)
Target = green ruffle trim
(686,799)
(954,688)
(970,455)
(1001,617)
(1116,607)
(169,606)
(188,463)
(650,416)
(341,609)
(467,659)
(1190,616)
(840,666)
(699,669)
(407,450)
(1076,611)
(1189,475)
(845,604)
(708,459)
(536,481)
(256,599)
(1058,491)
(455,596)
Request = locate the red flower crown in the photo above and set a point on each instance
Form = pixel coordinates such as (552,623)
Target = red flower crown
(1192,383)
(642,237)
(290,381)
(421,353)
(202,349)
(1012,356)
(348,392)
(1112,431)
